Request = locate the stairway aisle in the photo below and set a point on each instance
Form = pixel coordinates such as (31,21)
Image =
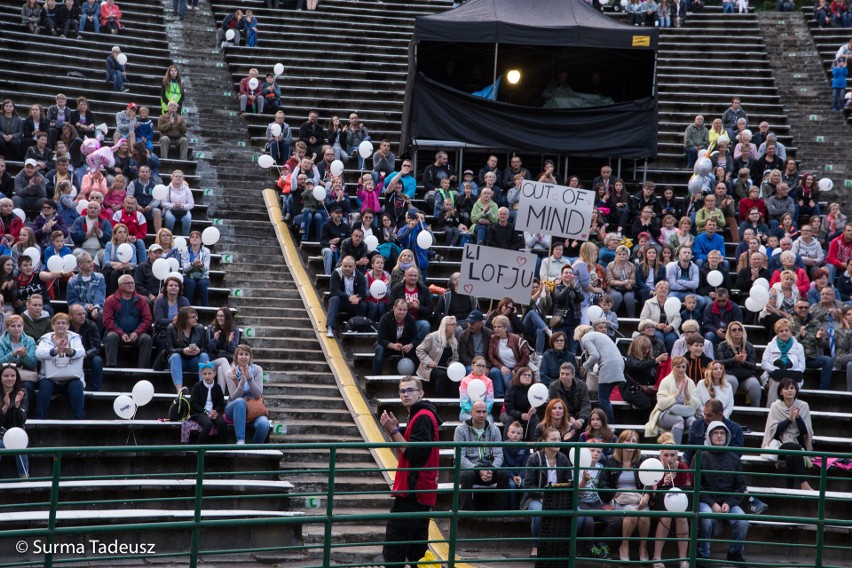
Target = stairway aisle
(299,386)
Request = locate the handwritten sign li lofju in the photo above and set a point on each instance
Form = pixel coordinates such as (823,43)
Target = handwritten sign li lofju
(489,272)
(555,210)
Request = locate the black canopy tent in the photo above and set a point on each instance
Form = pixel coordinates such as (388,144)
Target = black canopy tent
(465,49)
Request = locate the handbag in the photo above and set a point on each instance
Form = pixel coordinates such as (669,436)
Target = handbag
(773,444)
(255,407)
(558,317)
(61,369)
(627,498)
(179,409)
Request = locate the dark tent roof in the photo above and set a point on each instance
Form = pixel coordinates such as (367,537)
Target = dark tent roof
(532,22)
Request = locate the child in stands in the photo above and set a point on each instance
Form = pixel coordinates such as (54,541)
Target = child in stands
(514,460)
(690,310)
(839,71)
(144,129)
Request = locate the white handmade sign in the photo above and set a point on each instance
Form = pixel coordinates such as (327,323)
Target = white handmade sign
(555,210)
(489,272)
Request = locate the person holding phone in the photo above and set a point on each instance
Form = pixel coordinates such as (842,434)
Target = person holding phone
(187,341)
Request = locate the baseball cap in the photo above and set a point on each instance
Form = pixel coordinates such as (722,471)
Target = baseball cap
(31,162)
(310,181)
(412,213)
(466,172)
(132,105)
(155,247)
(475,316)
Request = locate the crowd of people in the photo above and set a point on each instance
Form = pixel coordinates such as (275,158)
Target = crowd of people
(71,18)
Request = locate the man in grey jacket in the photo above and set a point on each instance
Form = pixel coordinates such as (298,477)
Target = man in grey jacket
(481,464)
(695,138)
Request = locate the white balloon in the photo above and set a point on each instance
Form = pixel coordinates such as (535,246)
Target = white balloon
(776,250)
(69,262)
(676,500)
(160,192)
(537,395)
(34,254)
(476,390)
(405,366)
(760,295)
(585,458)
(253,83)
(278,69)
(672,306)
(624,3)
(160,268)
(336,168)
(425,240)
(275,128)
(372,243)
(124,252)
(365,149)
(210,236)
(19,213)
(703,166)
(82,205)
(124,407)
(73,192)
(455,371)
(122,59)
(648,477)
(763,282)
(715,278)
(180,244)
(177,275)
(16,439)
(54,263)
(702,153)
(825,184)
(695,184)
(230,35)
(378,289)
(174,264)
(142,393)
(751,305)
(595,313)
(604,2)
(265,161)
(762,249)
(319,193)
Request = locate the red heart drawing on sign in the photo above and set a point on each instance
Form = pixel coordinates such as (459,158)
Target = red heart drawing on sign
(521,260)
(468,288)
(583,236)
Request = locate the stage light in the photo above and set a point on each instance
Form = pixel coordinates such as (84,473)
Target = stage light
(513,76)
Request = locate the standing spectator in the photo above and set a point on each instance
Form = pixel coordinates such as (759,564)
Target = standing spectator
(434,173)
(783,357)
(172,89)
(731,116)
(601,351)
(839,71)
(127,319)
(417,470)
(116,73)
(546,467)
(12,128)
(356,133)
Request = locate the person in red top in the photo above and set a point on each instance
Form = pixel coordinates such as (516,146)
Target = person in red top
(840,251)
(128,321)
(249,95)
(137,226)
(417,470)
(788,262)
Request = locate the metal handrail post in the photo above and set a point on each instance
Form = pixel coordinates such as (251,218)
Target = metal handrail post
(820,536)
(454,521)
(329,508)
(54,505)
(196,517)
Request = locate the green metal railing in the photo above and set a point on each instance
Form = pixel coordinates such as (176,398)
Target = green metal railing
(801,528)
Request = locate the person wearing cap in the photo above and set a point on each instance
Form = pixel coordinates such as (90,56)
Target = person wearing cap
(47,222)
(30,191)
(91,232)
(474,341)
(333,232)
(407,239)
(116,73)
(87,288)
(125,124)
(147,284)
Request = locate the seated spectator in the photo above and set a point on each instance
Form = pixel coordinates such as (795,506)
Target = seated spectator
(231,22)
(783,296)
(172,128)
(93,182)
(809,332)
(714,385)
(517,410)
(136,224)
(90,232)
(721,492)
(454,303)
(186,345)
(677,403)
(13,411)
(843,339)
(61,354)
(827,311)
(640,370)
(506,351)
(696,360)
(707,241)
(786,228)
(207,405)
(348,293)
(754,270)
(8,287)
(551,267)
(839,249)
(783,357)
(818,284)
(127,321)
(714,263)
(575,396)
(778,204)
(683,278)
(87,288)
(166,307)
(649,272)
(195,260)
(740,362)
(355,247)
(474,341)
(141,189)
(30,186)
(36,319)
(10,224)
(484,214)
(546,467)
(90,336)
(665,326)
(245,381)
(111,17)
(646,328)
(478,371)
(418,299)
(534,321)
(333,232)
(789,422)
(718,315)
(30,283)
(436,352)
(178,204)
(89,15)
(377,307)
(606,253)
(42,155)
(397,332)
(675,476)
(621,281)
(313,135)
(125,127)
(506,307)
(481,465)
(111,266)
(788,263)
(19,349)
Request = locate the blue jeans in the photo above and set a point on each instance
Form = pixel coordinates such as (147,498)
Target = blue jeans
(22,461)
(533,324)
(95,21)
(837,100)
(141,251)
(185,222)
(375,310)
(329,259)
(727,7)
(178,364)
(190,285)
(96,372)
(279,151)
(826,364)
(691,156)
(535,522)
(379,359)
(236,411)
(501,381)
(480,231)
(739,531)
(604,392)
(117,81)
(74,390)
(712,338)
(312,217)
(667,338)
(423,329)
(179,7)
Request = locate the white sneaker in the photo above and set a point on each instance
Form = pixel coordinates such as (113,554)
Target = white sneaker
(241,442)
(329,332)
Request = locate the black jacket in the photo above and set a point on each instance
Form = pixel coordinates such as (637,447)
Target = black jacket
(423,296)
(146,282)
(643,371)
(608,479)
(178,341)
(90,336)
(387,330)
(506,238)
(338,289)
(535,478)
(466,353)
(199,399)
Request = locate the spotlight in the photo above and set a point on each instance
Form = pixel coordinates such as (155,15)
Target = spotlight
(513,76)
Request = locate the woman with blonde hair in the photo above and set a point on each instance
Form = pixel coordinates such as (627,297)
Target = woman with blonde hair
(714,385)
(166,239)
(245,383)
(591,278)
(621,281)
(436,352)
(111,266)
(676,476)
(677,403)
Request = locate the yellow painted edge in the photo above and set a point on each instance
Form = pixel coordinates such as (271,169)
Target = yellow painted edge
(347,383)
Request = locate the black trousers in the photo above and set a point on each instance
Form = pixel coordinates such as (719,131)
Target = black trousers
(397,550)
(483,501)
(206,423)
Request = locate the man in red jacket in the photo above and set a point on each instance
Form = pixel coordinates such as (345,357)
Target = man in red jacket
(839,251)
(417,470)
(137,226)
(127,321)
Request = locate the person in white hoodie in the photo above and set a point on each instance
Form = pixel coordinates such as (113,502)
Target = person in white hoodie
(178,204)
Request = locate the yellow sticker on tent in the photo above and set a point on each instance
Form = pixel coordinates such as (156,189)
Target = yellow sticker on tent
(641,41)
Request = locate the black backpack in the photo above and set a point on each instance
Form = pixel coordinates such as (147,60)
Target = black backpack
(360,324)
